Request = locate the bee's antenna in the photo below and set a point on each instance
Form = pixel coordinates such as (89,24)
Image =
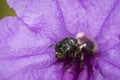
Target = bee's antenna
(51,45)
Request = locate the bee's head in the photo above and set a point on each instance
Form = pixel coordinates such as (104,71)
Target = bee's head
(65,47)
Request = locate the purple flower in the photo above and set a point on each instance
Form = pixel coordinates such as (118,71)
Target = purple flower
(25,39)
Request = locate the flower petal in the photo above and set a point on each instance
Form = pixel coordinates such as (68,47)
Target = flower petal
(107,28)
(76,15)
(21,50)
(85,15)
(109,35)
(109,44)
(109,62)
(26,68)
(40,16)
(17,39)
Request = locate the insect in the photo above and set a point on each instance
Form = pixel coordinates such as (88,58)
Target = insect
(78,51)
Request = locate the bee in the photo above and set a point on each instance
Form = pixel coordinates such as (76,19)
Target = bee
(76,50)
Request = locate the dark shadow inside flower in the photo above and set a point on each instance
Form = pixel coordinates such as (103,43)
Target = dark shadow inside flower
(76,66)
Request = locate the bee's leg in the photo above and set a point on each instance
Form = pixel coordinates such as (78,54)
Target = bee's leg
(81,61)
(70,63)
(71,60)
